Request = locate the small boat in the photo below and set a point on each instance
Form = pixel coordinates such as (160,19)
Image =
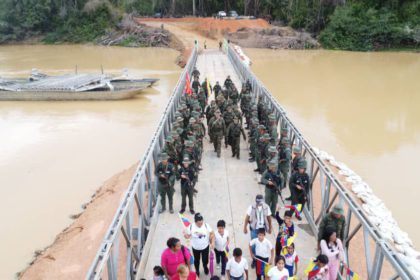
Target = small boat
(72,87)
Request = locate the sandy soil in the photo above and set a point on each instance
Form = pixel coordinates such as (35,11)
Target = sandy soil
(208,30)
(73,250)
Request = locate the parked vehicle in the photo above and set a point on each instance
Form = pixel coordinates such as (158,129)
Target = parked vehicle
(233,14)
(221,14)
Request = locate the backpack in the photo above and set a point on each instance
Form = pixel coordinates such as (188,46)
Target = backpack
(185,258)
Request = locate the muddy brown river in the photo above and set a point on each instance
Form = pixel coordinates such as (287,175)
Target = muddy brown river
(54,155)
(361,107)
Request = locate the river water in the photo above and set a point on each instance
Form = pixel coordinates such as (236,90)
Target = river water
(363,108)
(54,155)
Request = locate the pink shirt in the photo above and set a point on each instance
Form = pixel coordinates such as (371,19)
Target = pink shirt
(171,260)
(191,276)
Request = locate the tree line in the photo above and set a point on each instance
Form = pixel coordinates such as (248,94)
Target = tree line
(339,24)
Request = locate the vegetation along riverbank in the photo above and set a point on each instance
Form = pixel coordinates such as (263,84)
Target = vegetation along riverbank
(337,24)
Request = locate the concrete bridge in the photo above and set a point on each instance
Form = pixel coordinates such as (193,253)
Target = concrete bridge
(226,187)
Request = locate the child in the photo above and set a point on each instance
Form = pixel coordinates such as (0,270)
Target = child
(158,273)
(264,252)
(322,262)
(237,266)
(221,244)
(292,259)
(278,272)
(286,229)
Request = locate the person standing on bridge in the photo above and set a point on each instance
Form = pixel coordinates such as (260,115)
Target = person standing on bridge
(217,89)
(272,181)
(233,133)
(258,215)
(217,128)
(334,219)
(332,247)
(173,256)
(299,186)
(166,179)
(187,176)
(202,238)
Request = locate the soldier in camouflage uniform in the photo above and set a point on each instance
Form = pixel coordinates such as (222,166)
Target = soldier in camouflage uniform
(297,152)
(273,155)
(170,150)
(272,181)
(234,95)
(165,171)
(255,138)
(228,82)
(228,116)
(202,99)
(221,103)
(217,89)
(272,129)
(284,133)
(210,110)
(187,176)
(233,133)
(195,85)
(218,131)
(285,156)
(262,153)
(334,219)
(299,185)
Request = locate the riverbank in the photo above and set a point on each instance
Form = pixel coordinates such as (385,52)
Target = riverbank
(73,250)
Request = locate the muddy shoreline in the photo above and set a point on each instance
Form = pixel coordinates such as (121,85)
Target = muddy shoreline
(73,250)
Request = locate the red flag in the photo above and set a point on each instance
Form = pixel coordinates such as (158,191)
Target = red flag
(188,89)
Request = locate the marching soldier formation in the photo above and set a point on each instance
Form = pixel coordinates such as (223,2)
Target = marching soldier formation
(226,116)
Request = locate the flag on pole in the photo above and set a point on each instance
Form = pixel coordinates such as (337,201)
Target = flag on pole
(226,253)
(312,269)
(262,267)
(297,208)
(208,88)
(211,263)
(188,89)
(353,274)
(184,220)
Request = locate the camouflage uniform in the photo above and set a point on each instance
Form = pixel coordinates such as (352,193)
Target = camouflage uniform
(233,135)
(302,180)
(187,176)
(218,130)
(285,156)
(272,181)
(165,172)
(329,220)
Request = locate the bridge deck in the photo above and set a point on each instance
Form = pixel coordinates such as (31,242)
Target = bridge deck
(226,187)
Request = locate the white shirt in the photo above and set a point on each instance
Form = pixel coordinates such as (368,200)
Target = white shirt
(260,215)
(200,236)
(291,259)
(237,269)
(262,248)
(275,274)
(221,241)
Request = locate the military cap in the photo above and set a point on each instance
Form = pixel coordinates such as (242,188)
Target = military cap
(186,160)
(195,114)
(284,129)
(174,133)
(272,149)
(297,150)
(272,163)
(272,117)
(338,209)
(192,120)
(192,138)
(301,163)
(179,130)
(266,136)
(285,140)
(261,126)
(189,143)
(163,156)
(169,138)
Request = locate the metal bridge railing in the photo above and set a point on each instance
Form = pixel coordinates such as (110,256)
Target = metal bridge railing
(327,190)
(125,239)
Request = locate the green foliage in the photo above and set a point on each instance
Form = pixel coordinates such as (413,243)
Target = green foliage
(358,27)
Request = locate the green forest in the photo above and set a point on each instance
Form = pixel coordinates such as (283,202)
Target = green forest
(360,25)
